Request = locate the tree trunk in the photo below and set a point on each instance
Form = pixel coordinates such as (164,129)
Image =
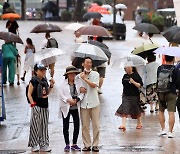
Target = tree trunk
(23,9)
(78,14)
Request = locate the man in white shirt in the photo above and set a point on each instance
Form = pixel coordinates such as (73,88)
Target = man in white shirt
(90,106)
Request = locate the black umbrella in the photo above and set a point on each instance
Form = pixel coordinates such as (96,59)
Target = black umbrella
(90,15)
(176,38)
(170,33)
(50,6)
(143,10)
(148,28)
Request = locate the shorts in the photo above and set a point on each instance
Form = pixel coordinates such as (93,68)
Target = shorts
(167,101)
(51,66)
(101,71)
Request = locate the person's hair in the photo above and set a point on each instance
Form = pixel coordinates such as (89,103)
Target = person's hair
(150,35)
(151,58)
(29,41)
(134,69)
(87,58)
(169,58)
(139,13)
(47,35)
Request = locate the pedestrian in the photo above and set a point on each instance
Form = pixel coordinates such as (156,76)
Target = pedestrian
(70,96)
(38,92)
(12,26)
(166,87)
(90,106)
(9,53)
(50,42)
(18,68)
(130,106)
(29,51)
(78,37)
(138,20)
(177,75)
(121,14)
(151,80)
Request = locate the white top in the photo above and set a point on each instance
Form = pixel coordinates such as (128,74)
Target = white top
(29,53)
(66,94)
(79,40)
(44,43)
(151,73)
(91,98)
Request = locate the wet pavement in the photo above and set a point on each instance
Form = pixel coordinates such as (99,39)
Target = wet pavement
(14,131)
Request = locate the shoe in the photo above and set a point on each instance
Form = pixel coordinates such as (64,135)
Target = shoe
(123,128)
(151,111)
(99,91)
(85,149)
(4,82)
(23,79)
(67,148)
(45,149)
(35,149)
(163,133)
(95,149)
(144,107)
(11,84)
(18,83)
(170,135)
(139,127)
(156,109)
(75,148)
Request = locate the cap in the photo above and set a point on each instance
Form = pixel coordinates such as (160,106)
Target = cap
(39,67)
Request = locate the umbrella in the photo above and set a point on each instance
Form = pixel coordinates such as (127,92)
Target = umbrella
(120,6)
(148,28)
(143,10)
(45,28)
(10,15)
(10,37)
(94,30)
(98,9)
(74,26)
(102,46)
(137,61)
(176,38)
(171,51)
(1,7)
(170,33)
(145,49)
(107,6)
(92,15)
(46,56)
(82,50)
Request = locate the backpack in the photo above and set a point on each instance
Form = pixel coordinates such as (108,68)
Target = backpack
(52,43)
(165,80)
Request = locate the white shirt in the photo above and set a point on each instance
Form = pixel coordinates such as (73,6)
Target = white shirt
(66,94)
(151,73)
(91,98)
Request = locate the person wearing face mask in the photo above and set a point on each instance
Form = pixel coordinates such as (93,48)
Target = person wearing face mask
(90,106)
(130,106)
(38,92)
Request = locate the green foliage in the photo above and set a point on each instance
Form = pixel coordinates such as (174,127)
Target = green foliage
(158,20)
(146,18)
(66,16)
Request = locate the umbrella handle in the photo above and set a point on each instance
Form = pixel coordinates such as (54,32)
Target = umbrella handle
(151,41)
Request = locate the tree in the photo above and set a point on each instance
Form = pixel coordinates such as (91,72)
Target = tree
(23,9)
(79,10)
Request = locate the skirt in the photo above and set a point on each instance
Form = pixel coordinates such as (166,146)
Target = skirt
(130,107)
(151,94)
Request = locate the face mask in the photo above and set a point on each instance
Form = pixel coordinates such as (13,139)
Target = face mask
(87,71)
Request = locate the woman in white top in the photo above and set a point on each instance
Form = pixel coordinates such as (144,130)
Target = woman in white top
(29,51)
(150,81)
(70,95)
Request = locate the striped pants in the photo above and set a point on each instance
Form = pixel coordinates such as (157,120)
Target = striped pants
(39,127)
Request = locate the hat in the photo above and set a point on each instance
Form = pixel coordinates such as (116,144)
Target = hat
(129,64)
(39,67)
(71,69)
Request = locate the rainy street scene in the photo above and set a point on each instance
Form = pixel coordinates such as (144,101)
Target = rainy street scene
(89,76)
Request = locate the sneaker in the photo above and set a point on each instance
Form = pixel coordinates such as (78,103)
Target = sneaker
(163,133)
(35,149)
(45,149)
(170,135)
(75,148)
(99,91)
(18,83)
(67,148)
(11,84)
(23,79)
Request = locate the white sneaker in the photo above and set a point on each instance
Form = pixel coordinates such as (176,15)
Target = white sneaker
(45,149)
(99,91)
(35,149)
(170,135)
(163,133)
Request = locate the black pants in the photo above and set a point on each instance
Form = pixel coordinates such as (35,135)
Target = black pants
(75,116)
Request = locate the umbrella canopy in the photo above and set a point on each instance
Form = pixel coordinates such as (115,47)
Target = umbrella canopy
(98,9)
(92,15)
(10,15)
(137,61)
(94,30)
(46,56)
(143,10)
(145,49)
(171,51)
(148,28)
(74,26)
(10,37)
(170,33)
(120,6)
(107,6)
(46,28)
(176,38)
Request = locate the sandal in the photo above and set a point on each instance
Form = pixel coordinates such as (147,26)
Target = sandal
(139,127)
(122,127)
(95,149)
(86,149)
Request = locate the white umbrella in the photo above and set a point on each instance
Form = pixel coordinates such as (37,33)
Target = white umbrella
(107,6)
(171,51)
(120,61)
(74,26)
(120,6)
(46,56)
